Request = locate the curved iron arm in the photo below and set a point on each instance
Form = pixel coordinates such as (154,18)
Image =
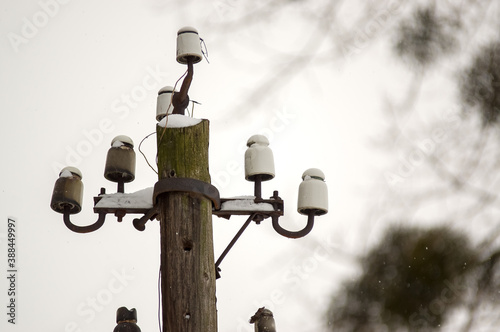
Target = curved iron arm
(180,100)
(82,229)
(297,234)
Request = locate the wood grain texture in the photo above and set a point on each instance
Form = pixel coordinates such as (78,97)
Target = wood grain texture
(187,258)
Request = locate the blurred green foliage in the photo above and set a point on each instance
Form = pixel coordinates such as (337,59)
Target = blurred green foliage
(425,36)
(411,279)
(480,86)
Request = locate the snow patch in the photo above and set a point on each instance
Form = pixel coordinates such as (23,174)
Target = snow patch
(66,174)
(140,199)
(178,121)
(117,144)
(246,203)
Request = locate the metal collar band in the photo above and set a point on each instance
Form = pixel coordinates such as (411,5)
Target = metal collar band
(193,186)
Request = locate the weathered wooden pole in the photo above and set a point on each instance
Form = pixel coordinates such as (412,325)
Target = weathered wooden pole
(187,257)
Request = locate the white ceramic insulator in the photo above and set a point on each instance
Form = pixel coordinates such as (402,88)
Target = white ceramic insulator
(164,104)
(313,193)
(259,159)
(188,45)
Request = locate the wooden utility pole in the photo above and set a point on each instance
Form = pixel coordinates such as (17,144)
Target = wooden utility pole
(187,257)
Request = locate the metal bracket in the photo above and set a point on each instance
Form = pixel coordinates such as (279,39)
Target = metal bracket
(140,223)
(191,186)
(258,210)
(274,201)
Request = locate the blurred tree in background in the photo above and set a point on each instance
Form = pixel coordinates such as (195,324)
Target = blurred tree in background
(446,158)
(414,277)
(426,36)
(423,279)
(480,86)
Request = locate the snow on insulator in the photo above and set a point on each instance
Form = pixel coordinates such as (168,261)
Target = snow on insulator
(70,171)
(124,140)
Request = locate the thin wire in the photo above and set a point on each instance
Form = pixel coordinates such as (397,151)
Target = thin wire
(192,108)
(145,158)
(204,46)
(166,116)
(159,299)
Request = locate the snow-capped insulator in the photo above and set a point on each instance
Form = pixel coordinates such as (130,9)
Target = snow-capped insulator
(120,161)
(263,320)
(259,159)
(164,102)
(313,193)
(188,45)
(126,320)
(68,191)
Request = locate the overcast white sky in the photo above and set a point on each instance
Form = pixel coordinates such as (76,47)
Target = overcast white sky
(76,74)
